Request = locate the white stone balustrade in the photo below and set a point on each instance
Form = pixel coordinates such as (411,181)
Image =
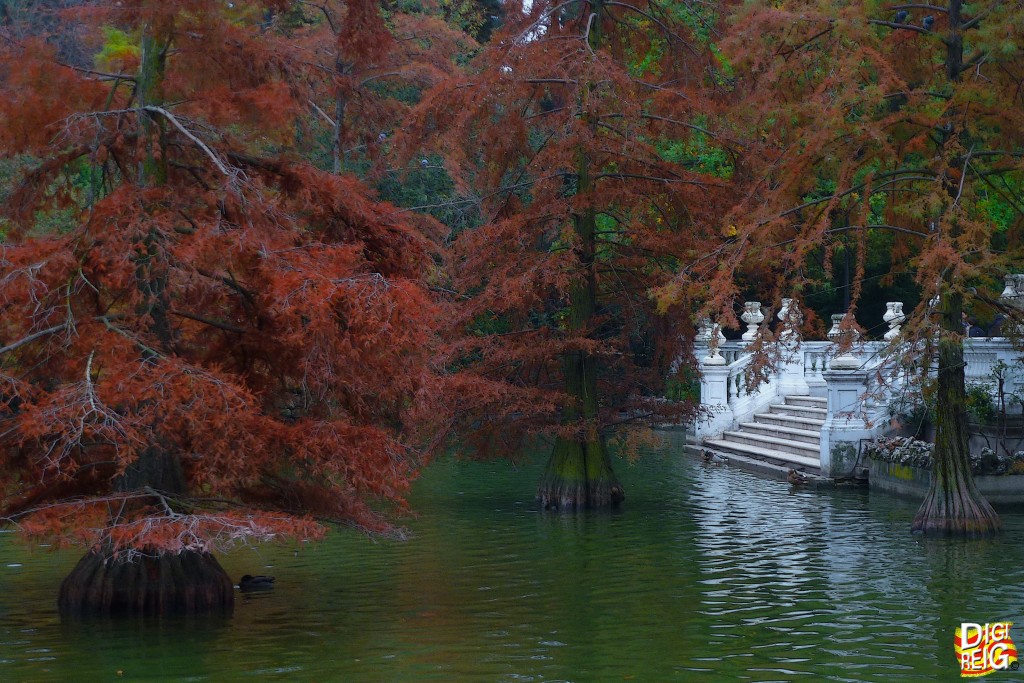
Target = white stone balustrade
(858,384)
(894,317)
(753,317)
(792,380)
(1013,297)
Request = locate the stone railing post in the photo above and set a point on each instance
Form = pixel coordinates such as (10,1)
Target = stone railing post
(753,317)
(714,396)
(791,367)
(845,421)
(894,317)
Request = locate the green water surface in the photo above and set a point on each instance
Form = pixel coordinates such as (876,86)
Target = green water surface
(705,574)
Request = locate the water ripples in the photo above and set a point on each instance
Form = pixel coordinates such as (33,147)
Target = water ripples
(706,574)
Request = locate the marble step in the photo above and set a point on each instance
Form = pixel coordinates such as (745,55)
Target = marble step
(805,423)
(773,470)
(773,443)
(812,436)
(799,411)
(807,401)
(779,457)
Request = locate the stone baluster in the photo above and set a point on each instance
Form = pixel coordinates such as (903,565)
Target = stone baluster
(709,338)
(702,340)
(791,368)
(1010,291)
(753,317)
(1013,290)
(838,335)
(1013,297)
(791,318)
(834,332)
(894,317)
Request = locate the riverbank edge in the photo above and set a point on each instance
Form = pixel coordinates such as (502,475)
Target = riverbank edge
(771,470)
(907,481)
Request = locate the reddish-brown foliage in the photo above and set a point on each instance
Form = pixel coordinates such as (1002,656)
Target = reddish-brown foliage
(852,123)
(861,123)
(219,342)
(557,132)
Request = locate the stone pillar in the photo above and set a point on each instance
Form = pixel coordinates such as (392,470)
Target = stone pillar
(714,397)
(845,421)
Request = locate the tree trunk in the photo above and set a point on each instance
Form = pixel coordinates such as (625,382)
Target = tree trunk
(149,92)
(953,505)
(579,476)
(153,582)
(338,133)
(579,472)
(186,583)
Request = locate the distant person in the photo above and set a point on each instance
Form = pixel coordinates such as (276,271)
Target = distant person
(971,326)
(996,328)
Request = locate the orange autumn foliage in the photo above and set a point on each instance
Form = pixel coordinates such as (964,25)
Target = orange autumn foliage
(219,342)
(560,137)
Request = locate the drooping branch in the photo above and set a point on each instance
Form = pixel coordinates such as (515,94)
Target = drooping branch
(32,337)
(227,327)
(173,120)
(905,27)
(930,8)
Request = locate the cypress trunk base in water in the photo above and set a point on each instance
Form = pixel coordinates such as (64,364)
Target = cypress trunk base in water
(959,510)
(579,475)
(955,513)
(953,504)
(187,583)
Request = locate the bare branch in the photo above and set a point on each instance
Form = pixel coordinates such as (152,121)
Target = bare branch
(173,120)
(32,337)
(907,27)
(322,113)
(931,8)
(963,176)
(228,327)
(976,20)
(103,75)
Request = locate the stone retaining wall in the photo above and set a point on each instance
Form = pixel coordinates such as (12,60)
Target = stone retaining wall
(912,482)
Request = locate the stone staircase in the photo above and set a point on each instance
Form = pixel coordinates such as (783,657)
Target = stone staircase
(788,435)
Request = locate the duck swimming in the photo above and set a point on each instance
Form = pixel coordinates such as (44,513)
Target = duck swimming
(255,583)
(711,457)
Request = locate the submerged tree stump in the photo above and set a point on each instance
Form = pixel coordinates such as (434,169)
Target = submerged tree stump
(187,583)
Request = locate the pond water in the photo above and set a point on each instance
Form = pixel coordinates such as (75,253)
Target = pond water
(706,574)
